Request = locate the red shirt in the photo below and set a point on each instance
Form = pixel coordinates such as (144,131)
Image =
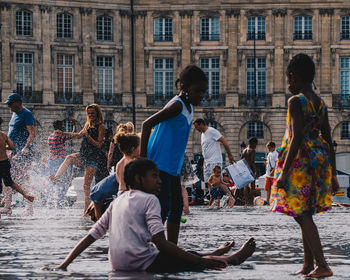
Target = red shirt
(57,145)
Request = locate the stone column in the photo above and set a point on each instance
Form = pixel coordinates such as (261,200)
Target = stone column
(126,87)
(186,37)
(6,33)
(86,77)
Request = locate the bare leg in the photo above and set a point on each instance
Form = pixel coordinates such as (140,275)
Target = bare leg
(173,230)
(68,161)
(7,201)
(308,258)
(312,238)
(186,208)
(241,255)
(223,249)
(218,202)
(17,188)
(89,173)
(268,194)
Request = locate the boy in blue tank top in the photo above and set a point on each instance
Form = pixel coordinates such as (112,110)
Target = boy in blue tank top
(167,144)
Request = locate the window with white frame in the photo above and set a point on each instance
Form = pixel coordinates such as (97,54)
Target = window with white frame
(303,28)
(163,29)
(256,80)
(65,70)
(344,76)
(24,23)
(163,77)
(24,73)
(211,68)
(68,125)
(255,129)
(209,29)
(104,28)
(345,130)
(256,27)
(345,28)
(64,26)
(105,73)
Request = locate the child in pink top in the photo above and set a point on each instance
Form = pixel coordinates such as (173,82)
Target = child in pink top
(136,232)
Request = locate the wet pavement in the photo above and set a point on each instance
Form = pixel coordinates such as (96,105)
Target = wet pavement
(28,243)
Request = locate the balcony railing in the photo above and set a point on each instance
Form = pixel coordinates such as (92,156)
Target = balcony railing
(258,35)
(210,36)
(158,101)
(109,99)
(255,101)
(215,100)
(32,96)
(300,35)
(345,35)
(163,37)
(341,100)
(68,97)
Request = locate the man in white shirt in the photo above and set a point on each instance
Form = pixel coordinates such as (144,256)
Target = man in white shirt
(210,141)
(270,168)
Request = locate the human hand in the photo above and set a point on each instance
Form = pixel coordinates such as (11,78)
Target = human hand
(212,262)
(334,185)
(282,180)
(83,132)
(25,150)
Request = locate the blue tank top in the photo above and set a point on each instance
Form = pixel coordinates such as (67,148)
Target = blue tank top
(167,144)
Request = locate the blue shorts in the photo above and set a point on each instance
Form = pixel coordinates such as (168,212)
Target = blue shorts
(104,190)
(170,197)
(215,193)
(89,163)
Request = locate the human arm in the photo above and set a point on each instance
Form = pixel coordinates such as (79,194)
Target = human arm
(297,120)
(171,249)
(30,138)
(9,144)
(166,113)
(101,134)
(326,134)
(227,149)
(110,155)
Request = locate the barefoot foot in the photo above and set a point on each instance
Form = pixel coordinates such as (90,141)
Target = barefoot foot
(305,270)
(52,179)
(243,253)
(30,198)
(223,249)
(319,272)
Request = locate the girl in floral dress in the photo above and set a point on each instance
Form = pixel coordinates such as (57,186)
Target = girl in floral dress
(306,171)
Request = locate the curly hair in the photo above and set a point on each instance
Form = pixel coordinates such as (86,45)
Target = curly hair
(138,167)
(127,142)
(303,66)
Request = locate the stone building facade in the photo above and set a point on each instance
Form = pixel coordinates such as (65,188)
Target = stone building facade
(61,58)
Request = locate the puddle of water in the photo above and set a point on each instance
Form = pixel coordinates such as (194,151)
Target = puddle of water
(28,243)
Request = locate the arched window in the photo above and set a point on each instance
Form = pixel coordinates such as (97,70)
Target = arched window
(64,26)
(24,23)
(345,130)
(255,129)
(104,28)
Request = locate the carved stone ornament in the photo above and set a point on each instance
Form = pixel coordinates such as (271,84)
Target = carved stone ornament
(302,12)
(207,13)
(162,14)
(85,11)
(45,8)
(186,13)
(140,13)
(124,13)
(326,12)
(279,12)
(146,57)
(255,12)
(5,5)
(233,12)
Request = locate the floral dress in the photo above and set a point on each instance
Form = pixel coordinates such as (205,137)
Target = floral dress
(307,189)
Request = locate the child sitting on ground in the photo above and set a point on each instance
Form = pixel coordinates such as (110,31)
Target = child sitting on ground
(218,187)
(135,226)
(5,166)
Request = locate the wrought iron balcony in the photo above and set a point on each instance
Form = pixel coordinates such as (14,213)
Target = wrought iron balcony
(158,100)
(258,35)
(31,96)
(210,36)
(214,100)
(163,37)
(108,98)
(68,97)
(341,101)
(300,35)
(250,100)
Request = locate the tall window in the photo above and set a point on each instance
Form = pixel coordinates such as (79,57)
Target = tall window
(256,81)
(210,29)
(105,72)
(24,73)
(345,130)
(163,77)
(303,28)
(64,26)
(68,125)
(211,68)
(65,67)
(255,129)
(163,29)
(24,23)
(104,28)
(345,28)
(344,76)
(256,27)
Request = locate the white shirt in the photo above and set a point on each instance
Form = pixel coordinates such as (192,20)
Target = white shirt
(132,219)
(210,146)
(271,162)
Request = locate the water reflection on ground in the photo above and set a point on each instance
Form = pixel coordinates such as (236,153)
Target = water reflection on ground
(28,243)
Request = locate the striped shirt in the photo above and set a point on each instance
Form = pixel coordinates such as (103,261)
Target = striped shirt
(57,145)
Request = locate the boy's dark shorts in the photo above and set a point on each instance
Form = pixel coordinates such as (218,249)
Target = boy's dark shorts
(5,174)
